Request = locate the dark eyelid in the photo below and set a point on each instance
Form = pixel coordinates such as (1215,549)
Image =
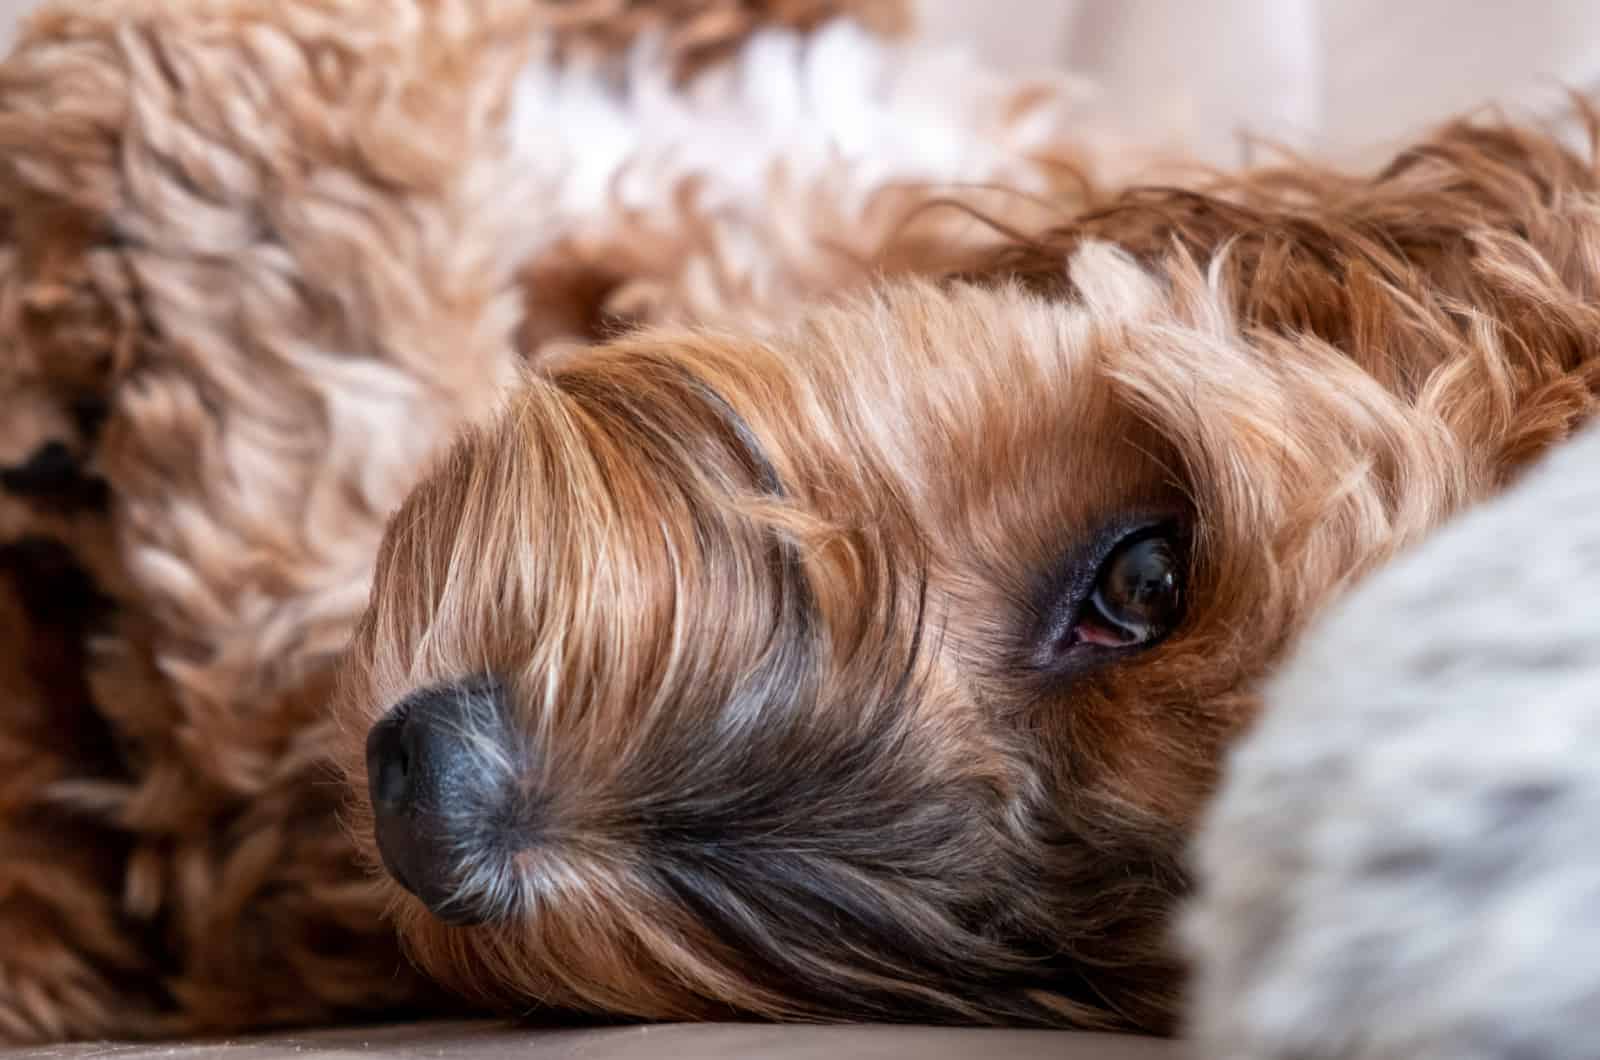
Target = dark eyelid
(1071,585)
(1065,592)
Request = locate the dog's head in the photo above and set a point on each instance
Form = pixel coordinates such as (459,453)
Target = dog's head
(873,669)
(877,667)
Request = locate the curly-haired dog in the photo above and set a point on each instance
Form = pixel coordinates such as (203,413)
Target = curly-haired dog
(865,662)
(1402,859)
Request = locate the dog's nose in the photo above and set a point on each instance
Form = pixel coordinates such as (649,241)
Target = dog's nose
(433,771)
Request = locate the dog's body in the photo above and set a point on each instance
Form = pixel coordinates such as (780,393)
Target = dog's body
(1401,862)
(870,662)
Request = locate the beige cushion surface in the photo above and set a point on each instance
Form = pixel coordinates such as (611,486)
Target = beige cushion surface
(491,1041)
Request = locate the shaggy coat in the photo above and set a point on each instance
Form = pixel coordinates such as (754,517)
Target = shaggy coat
(765,638)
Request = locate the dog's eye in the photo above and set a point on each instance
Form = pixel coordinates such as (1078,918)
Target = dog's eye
(1122,594)
(1138,595)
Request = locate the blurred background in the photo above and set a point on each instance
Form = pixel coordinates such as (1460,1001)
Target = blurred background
(1343,79)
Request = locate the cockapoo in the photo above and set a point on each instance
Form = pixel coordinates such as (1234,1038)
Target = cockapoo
(862,660)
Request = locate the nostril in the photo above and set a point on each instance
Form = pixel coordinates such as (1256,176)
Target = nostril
(389,765)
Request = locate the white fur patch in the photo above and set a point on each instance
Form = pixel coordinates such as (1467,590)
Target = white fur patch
(840,102)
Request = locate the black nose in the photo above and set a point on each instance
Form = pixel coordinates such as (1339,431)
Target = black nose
(437,773)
